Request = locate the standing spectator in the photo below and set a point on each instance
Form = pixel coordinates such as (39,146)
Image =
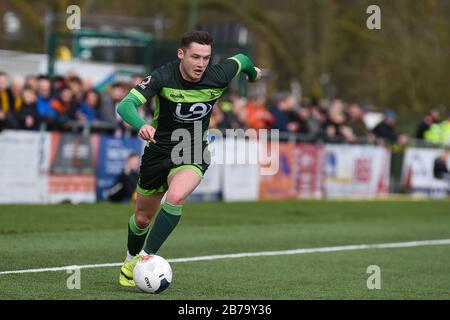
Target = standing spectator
(136,79)
(64,107)
(16,93)
(436,115)
(439,133)
(110,100)
(286,118)
(89,108)
(46,112)
(258,117)
(424,125)
(58,83)
(386,128)
(76,86)
(8,119)
(431,118)
(29,116)
(315,120)
(32,82)
(355,120)
(232,115)
(333,127)
(217,117)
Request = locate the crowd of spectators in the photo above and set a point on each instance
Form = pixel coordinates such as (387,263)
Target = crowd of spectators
(62,103)
(37,102)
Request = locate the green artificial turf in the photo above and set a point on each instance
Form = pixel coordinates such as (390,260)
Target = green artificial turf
(33,236)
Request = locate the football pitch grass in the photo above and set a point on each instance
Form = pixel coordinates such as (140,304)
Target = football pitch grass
(34,237)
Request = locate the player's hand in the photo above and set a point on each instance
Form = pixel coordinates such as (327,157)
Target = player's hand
(147,132)
(258,74)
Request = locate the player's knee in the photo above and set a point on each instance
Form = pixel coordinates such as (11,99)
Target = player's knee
(175,197)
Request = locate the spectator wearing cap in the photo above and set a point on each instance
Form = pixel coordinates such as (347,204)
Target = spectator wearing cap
(386,128)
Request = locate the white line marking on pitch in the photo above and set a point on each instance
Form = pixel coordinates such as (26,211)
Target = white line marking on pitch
(254,254)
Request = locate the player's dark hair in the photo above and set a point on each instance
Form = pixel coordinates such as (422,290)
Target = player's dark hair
(201,37)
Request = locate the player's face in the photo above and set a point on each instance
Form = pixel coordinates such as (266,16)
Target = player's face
(194,60)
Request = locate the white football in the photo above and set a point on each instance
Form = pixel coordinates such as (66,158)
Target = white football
(152,274)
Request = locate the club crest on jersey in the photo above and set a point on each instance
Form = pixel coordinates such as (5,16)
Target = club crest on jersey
(145,82)
(195,112)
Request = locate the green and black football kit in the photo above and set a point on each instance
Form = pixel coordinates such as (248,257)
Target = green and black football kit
(179,105)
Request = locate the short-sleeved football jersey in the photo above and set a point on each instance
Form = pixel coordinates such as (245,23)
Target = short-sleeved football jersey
(180,104)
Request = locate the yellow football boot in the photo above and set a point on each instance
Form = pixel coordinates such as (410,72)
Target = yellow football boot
(126,272)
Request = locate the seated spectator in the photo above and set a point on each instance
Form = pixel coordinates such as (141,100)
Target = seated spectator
(29,118)
(124,187)
(258,117)
(440,170)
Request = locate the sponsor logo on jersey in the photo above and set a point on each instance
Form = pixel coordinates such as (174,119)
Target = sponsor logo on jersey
(145,82)
(195,112)
(176,96)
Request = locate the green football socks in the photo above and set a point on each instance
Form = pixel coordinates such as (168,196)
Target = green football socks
(136,237)
(166,220)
